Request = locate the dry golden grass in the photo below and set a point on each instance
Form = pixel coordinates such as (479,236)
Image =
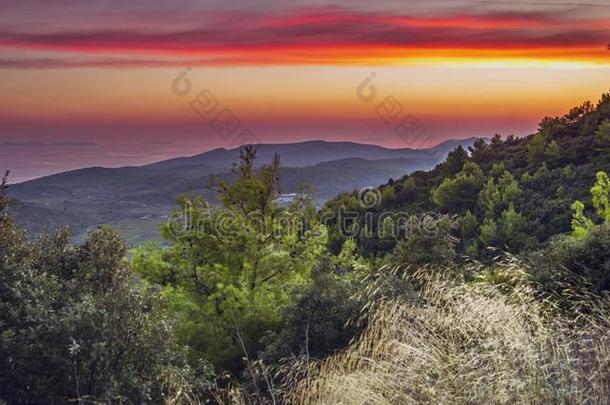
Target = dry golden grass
(474,343)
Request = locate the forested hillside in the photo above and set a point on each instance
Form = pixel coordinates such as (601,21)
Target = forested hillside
(512,194)
(484,280)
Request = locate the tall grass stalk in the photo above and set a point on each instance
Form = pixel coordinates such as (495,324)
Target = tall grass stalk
(473,343)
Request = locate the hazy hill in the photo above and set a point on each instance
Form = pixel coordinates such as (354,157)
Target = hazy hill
(310,153)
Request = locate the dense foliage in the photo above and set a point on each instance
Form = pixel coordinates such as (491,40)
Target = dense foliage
(76,326)
(512,194)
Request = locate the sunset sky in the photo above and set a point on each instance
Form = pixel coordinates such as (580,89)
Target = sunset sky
(94,82)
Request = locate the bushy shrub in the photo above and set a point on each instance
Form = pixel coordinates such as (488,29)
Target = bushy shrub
(432,244)
(587,256)
(319,319)
(76,326)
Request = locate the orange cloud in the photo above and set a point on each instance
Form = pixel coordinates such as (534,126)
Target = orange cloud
(325,36)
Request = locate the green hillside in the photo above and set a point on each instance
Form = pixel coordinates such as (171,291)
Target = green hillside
(525,184)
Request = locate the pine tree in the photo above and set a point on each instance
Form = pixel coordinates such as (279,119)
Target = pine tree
(580,223)
(600,193)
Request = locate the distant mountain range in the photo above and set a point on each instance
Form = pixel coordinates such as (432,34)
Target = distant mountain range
(135,200)
(310,153)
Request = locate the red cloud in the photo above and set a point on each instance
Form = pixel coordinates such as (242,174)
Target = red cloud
(326,36)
